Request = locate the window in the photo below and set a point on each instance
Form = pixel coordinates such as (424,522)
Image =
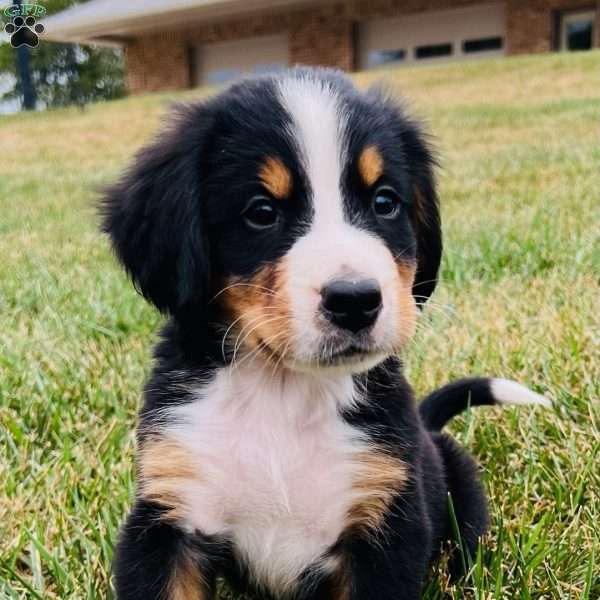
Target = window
(376,58)
(577,30)
(266,68)
(482,45)
(221,76)
(221,62)
(433,51)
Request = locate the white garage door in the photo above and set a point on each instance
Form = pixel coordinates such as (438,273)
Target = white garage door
(224,61)
(433,36)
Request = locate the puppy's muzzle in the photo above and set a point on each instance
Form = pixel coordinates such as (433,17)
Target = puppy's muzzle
(351,304)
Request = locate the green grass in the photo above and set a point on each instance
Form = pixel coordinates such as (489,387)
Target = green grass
(518,139)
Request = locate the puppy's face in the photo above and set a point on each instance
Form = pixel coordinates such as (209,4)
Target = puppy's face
(299,213)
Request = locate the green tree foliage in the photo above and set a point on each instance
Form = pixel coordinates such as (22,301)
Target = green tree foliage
(66,73)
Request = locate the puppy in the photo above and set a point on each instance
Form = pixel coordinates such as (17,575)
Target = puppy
(289,228)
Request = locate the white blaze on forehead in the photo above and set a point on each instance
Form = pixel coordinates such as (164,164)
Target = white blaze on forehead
(334,246)
(318,126)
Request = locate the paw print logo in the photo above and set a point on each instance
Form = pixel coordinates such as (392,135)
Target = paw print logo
(24,32)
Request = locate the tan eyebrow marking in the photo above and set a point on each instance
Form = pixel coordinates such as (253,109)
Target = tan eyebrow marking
(370,165)
(276,177)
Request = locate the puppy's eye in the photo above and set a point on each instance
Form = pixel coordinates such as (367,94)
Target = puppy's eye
(386,203)
(260,213)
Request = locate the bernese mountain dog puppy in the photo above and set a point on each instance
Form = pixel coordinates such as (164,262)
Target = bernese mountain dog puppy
(289,228)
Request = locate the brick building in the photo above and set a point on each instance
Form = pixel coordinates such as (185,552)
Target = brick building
(175,44)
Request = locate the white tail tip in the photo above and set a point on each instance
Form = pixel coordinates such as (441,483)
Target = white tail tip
(511,392)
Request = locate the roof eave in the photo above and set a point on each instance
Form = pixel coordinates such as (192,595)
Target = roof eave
(110,41)
(120,31)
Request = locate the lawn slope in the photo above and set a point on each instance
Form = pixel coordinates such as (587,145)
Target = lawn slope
(519,148)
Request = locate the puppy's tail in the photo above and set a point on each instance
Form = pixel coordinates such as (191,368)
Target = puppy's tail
(446,402)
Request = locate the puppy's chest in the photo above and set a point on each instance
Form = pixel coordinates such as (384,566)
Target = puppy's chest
(255,471)
(274,470)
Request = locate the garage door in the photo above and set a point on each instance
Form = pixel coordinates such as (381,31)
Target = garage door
(225,61)
(433,36)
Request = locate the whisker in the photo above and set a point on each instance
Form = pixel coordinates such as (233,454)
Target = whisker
(227,333)
(425,281)
(242,284)
(238,343)
(250,328)
(281,355)
(255,351)
(233,324)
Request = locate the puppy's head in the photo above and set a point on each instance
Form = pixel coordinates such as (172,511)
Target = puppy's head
(297,212)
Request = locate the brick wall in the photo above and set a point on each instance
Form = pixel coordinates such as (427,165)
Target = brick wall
(530,25)
(323,35)
(157,62)
(322,39)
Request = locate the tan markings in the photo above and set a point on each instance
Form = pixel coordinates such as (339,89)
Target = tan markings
(276,177)
(379,478)
(340,582)
(260,311)
(186,581)
(164,469)
(370,165)
(406,319)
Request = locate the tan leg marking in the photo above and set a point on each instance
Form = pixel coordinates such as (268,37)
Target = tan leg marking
(187,582)
(379,478)
(164,468)
(370,165)
(340,583)
(276,177)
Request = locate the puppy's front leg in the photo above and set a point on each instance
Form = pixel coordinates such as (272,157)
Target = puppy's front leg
(399,575)
(156,561)
(390,564)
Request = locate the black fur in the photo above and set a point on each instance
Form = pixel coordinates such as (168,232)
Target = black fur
(444,404)
(173,220)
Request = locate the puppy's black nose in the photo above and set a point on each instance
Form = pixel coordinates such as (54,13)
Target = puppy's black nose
(351,304)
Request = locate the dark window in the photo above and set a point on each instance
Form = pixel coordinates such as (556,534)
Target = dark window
(483,45)
(577,30)
(433,51)
(383,57)
(579,35)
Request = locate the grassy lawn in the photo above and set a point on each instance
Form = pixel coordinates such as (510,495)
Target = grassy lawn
(518,139)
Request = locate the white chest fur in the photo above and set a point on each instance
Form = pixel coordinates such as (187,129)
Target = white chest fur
(270,465)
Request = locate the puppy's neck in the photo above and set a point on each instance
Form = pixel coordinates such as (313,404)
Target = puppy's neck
(258,384)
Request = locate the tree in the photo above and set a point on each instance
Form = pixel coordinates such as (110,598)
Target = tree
(24,74)
(63,74)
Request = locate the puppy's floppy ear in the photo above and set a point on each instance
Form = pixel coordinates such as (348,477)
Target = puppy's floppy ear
(425,213)
(153,216)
